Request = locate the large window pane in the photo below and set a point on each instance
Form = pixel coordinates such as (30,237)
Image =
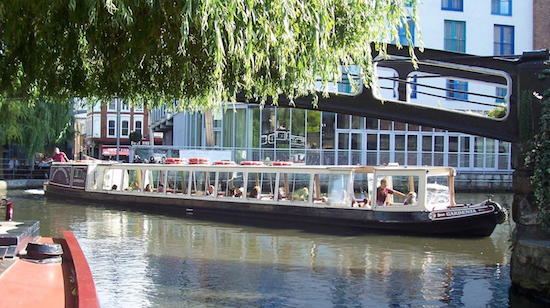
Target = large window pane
(357,122)
(256,128)
(240,126)
(343,141)
(328,130)
(400,142)
(343,121)
(313,128)
(228,132)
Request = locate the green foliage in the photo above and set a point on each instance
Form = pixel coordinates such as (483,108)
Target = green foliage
(35,124)
(135,136)
(498,112)
(199,52)
(539,156)
(525,116)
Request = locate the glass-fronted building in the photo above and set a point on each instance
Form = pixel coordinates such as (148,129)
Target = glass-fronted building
(324,138)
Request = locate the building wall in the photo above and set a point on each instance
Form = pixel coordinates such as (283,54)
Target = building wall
(541,24)
(479,24)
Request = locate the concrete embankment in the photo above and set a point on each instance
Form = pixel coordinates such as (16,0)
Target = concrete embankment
(22,183)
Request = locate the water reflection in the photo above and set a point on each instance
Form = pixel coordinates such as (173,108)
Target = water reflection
(148,259)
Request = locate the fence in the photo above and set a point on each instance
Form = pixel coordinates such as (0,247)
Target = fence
(24,170)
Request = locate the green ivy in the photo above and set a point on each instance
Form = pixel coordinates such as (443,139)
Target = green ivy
(539,156)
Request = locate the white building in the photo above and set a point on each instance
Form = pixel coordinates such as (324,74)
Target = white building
(482,27)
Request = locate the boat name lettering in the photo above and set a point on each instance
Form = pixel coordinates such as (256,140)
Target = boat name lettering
(448,214)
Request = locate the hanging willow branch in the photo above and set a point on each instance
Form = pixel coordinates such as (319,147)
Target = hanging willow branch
(197,52)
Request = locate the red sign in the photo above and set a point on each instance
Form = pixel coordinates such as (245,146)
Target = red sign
(112,151)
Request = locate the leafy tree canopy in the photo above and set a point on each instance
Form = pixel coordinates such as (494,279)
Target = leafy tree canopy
(198,52)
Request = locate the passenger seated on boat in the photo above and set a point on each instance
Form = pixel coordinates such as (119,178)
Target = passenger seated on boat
(382,193)
(304,195)
(411,198)
(148,188)
(239,192)
(211,190)
(281,194)
(161,188)
(114,187)
(255,193)
(135,187)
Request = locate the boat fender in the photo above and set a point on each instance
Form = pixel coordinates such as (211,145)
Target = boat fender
(9,208)
(501,214)
(251,163)
(282,163)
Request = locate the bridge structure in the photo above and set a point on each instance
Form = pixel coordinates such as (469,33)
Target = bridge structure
(516,84)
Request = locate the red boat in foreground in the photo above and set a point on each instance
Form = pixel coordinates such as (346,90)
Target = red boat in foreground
(39,271)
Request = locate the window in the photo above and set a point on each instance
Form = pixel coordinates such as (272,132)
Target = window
(456,88)
(138,127)
(403,32)
(501,7)
(413,84)
(503,40)
(455,36)
(125,128)
(111,128)
(501,94)
(453,5)
(112,105)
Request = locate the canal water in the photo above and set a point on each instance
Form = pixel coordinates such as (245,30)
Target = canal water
(160,259)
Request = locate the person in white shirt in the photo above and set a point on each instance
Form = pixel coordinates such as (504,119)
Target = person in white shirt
(13,164)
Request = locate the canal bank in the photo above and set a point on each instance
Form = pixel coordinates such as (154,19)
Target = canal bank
(21,183)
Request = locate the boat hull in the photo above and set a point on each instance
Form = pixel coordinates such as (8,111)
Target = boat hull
(409,223)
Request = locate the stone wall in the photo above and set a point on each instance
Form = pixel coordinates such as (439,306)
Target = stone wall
(530,260)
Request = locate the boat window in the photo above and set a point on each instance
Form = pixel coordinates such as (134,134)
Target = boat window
(177,182)
(93,185)
(154,181)
(135,181)
(230,184)
(293,187)
(362,188)
(331,189)
(261,185)
(112,179)
(202,183)
(404,188)
(437,190)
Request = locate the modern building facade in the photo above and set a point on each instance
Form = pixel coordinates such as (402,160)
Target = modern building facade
(484,28)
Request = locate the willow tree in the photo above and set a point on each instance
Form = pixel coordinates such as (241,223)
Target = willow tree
(198,52)
(33,124)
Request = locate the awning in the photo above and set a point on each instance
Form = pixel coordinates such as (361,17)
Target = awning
(112,152)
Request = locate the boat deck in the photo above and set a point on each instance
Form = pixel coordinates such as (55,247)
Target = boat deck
(42,277)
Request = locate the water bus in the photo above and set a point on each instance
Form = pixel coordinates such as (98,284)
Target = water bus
(40,271)
(417,200)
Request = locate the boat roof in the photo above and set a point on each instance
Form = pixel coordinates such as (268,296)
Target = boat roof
(386,169)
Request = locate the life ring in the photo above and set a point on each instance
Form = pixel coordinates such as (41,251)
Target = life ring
(251,163)
(174,160)
(224,162)
(199,161)
(282,163)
